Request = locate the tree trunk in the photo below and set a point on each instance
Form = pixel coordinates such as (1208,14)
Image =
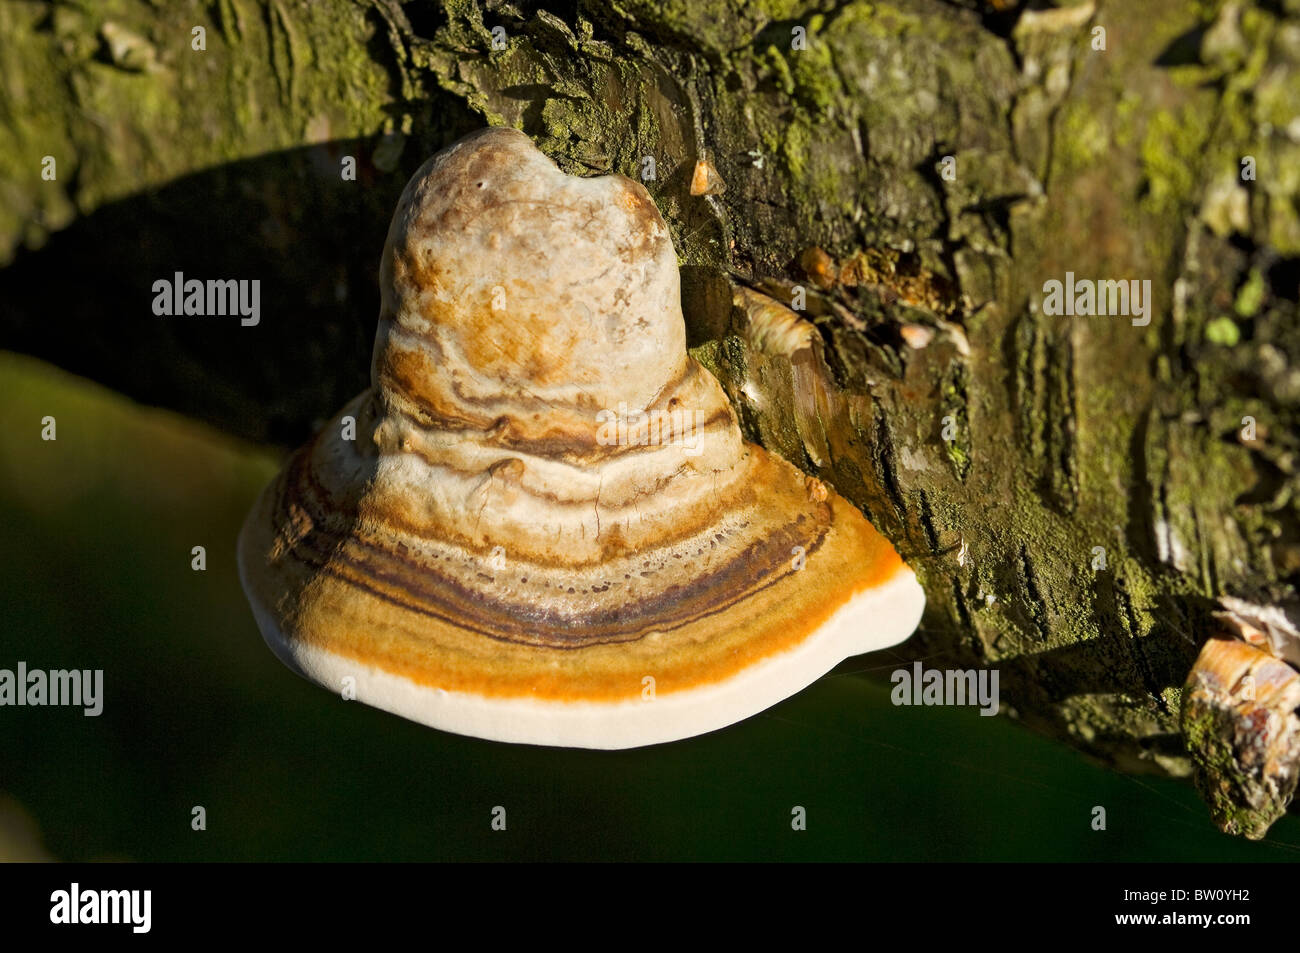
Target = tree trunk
(1075,492)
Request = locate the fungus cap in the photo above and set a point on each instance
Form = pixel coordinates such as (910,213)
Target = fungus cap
(548,528)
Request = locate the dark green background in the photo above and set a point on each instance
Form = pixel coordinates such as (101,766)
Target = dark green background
(95,573)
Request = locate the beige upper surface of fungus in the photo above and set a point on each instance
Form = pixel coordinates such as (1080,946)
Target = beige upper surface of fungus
(549,528)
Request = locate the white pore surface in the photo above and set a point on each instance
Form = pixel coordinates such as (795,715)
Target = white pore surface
(874,619)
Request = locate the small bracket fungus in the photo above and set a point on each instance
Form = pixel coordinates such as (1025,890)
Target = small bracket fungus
(381,557)
(1241,728)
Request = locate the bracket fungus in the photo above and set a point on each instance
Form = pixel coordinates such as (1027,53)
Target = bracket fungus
(1241,717)
(548,528)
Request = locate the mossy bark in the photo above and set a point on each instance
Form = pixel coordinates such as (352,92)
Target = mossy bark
(1074,492)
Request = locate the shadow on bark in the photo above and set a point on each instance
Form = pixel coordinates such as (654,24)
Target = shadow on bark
(84,301)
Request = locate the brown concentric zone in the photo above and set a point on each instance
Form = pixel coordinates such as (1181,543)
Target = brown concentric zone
(438,619)
(451,587)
